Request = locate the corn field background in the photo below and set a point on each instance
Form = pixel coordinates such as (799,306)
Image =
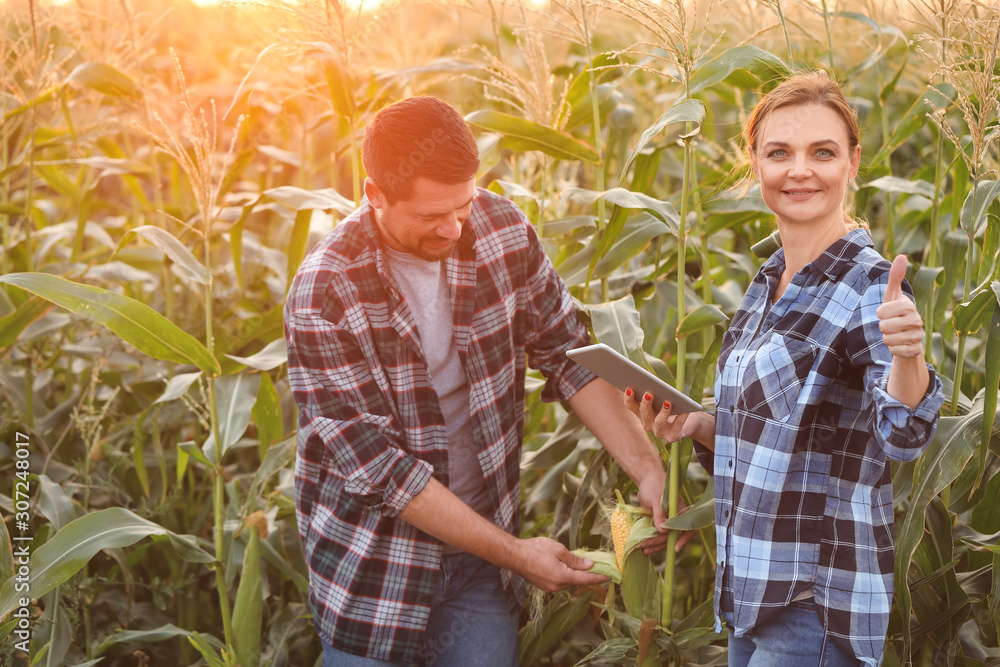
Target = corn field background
(165,167)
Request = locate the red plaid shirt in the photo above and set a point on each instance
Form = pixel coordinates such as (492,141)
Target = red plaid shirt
(371,432)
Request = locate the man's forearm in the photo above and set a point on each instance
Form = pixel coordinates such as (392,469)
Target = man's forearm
(542,561)
(599,406)
(439,512)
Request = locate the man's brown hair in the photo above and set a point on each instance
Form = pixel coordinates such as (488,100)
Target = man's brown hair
(419,136)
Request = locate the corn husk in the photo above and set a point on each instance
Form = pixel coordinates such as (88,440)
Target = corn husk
(604,563)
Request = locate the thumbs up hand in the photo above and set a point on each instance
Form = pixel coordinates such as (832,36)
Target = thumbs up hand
(901,325)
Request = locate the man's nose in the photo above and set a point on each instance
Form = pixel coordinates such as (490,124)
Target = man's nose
(450,228)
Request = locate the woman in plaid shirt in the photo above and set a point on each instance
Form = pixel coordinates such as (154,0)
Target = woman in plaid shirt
(821,379)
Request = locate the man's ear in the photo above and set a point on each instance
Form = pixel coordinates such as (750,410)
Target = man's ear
(375,197)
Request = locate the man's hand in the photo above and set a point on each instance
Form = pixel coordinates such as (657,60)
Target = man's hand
(651,497)
(552,567)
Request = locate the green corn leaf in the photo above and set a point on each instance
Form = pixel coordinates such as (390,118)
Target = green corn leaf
(633,238)
(974,212)
(236,241)
(273,355)
(951,449)
(162,633)
(616,324)
(212,657)
(237,395)
(691,111)
(338,76)
(278,456)
(914,118)
(523,134)
(614,651)
(766,66)
(702,317)
(971,316)
(556,448)
(248,609)
(13,324)
(6,553)
(266,414)
(699,515)
(582,111)
(297,245)
(133,321)
(298,199)
(663,210)
(104,79)
(580,505)
(991,244)
(43,97)
(75,544)
(138,452)
(991,384)
(53,503)
(557,619)
(192,269)
(177,386)
(898,185)
(189,449)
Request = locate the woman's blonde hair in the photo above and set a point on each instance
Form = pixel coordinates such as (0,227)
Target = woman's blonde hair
(807,88)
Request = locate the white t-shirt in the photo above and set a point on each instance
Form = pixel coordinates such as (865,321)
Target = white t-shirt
(424,287)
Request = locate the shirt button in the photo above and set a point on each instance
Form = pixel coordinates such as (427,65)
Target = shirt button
(730,463)
(727,514)
(730,410)
(767,325)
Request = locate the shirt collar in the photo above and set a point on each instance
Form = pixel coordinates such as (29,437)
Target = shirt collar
(831,261)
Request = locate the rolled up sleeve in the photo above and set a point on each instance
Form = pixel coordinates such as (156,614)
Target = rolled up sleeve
(345,419)
(902,433)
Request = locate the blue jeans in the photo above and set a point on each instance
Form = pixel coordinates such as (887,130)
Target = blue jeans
(473,622)
(793,638)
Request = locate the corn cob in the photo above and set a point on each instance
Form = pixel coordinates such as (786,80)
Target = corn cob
(621,525)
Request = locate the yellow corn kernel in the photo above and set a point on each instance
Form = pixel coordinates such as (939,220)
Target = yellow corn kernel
(621,524)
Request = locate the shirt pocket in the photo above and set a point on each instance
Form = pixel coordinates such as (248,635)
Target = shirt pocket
(775,375)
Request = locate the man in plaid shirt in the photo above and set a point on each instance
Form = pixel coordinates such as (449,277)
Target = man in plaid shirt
(408,329)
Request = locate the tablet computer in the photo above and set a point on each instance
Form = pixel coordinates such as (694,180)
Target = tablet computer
(623,373)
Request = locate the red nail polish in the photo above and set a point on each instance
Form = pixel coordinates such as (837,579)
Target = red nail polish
(666,405)
(647,396)
(628,392)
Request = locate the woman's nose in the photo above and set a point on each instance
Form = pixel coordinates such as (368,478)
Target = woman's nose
(800,167)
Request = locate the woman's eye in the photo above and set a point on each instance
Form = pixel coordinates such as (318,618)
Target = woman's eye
(778,152)
(824,152)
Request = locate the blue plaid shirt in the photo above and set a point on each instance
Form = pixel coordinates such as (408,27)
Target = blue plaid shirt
(803,430)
